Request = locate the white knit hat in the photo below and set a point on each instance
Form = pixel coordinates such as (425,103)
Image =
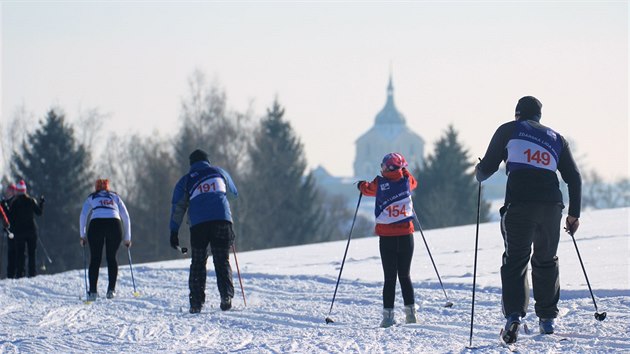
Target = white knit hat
(20,187)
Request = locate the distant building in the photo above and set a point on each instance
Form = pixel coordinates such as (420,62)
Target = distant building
(390,133)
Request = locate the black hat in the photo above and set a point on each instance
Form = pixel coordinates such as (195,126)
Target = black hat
(198,155)
(528,107)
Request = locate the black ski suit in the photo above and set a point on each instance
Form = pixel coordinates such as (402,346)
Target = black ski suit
(533,210)
(22,211)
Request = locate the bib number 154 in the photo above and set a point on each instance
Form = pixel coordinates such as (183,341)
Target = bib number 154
(396,210)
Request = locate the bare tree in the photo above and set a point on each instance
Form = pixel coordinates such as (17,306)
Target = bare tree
(117,162)
(599,194)
(89,124)
(14,132)
(206,123)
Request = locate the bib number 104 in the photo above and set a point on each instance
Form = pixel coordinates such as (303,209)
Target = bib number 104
(538,157)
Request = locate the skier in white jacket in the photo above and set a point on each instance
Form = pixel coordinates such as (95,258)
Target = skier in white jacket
(108,225)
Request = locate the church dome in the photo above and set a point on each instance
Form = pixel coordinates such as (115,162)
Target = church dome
(389,114)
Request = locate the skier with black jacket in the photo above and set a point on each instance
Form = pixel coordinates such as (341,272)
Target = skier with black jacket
(203,193)
(22,211)
(532,212)
(6,201)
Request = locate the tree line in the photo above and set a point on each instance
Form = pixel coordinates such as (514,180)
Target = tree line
(279,203)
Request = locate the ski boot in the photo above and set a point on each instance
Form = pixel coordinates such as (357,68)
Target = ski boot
(545,325)
(410,314)
(510,332)
(226,303)
(110,294)
(92,296)
(388,318)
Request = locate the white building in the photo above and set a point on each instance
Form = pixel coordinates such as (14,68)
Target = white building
(388,134)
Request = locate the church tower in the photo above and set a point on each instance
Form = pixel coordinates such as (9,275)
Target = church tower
(389,134)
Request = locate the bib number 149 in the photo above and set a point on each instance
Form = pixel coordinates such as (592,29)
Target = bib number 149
(538,157)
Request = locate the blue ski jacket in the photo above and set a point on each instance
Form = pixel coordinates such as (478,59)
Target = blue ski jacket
(203,192)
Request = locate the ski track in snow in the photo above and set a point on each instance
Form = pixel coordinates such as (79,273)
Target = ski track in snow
(289,292)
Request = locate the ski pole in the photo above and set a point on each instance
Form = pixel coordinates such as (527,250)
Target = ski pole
(448,303)
(328,319)
(599,316)
(472,308)
(45,251)
(135,293)
(238,271)
(87,292)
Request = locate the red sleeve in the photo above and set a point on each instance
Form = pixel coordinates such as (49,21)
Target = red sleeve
(369,188)
(5,221)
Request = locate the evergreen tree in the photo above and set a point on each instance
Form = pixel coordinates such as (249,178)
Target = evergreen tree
(53,164)
(447,189)
(282,201)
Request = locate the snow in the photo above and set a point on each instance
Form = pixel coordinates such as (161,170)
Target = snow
(289,292)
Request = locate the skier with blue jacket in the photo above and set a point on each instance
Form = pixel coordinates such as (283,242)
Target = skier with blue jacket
(203,193)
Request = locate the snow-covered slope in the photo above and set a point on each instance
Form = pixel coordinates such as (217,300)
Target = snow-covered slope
(289,292)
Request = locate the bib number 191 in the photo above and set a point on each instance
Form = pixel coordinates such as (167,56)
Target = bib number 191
(207,187)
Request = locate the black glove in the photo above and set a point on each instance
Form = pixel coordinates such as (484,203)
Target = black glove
(571,225)
(174,239)
(42,200)
(359,185)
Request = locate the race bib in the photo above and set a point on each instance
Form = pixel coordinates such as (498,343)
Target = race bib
(210,185)
(531,154)
(396,211)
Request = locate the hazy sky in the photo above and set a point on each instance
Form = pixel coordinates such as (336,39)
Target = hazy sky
(459,62)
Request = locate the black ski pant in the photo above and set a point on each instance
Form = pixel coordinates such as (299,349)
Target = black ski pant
(104,232)
(25,242)
(396,255)
(219,235)
(524,225)
(11,265)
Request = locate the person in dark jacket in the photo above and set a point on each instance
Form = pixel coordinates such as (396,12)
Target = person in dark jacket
(203,193)
(22,211)
(532,212)
(393,211)
(6,201)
